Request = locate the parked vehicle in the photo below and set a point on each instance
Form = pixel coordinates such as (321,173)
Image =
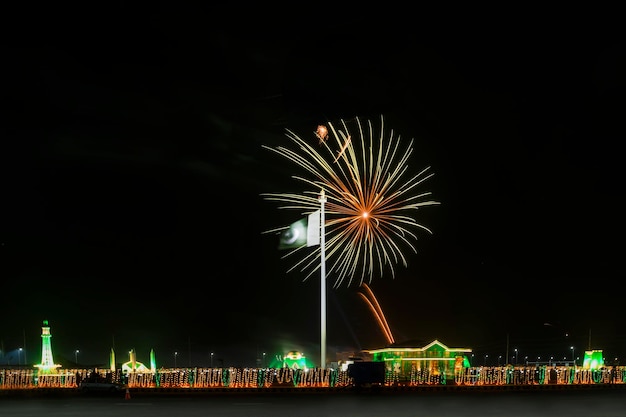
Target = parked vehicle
(87,386)
(98,383)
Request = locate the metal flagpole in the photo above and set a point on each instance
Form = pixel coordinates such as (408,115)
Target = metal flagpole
(322,200)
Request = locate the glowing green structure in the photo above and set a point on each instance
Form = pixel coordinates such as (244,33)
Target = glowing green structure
(133,365)
(593,359)
(293,360)
(47,364)
(412,356)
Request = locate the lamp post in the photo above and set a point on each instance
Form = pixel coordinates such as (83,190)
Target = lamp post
(211,359)
(515,355)
(175,355)
(19,361)
(485,361)
(573,360)
(473,363)
(76,356)
(263,359)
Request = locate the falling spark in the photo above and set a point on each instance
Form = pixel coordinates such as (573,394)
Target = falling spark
(370,201)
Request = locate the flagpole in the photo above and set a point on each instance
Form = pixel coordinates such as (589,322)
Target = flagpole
(322,200)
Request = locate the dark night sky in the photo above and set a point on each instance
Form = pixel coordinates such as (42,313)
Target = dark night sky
(133,170)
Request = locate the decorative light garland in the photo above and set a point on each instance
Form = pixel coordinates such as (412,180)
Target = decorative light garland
(315,377)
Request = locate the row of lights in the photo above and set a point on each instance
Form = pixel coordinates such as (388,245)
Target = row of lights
(525,358)
(19,355)
(176,356)
(77,351)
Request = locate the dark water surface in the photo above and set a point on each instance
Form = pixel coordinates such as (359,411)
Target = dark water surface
(610,403)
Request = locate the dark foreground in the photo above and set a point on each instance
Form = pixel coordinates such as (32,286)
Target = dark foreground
(363,403)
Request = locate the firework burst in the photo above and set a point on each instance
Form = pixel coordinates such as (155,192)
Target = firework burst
(371,199)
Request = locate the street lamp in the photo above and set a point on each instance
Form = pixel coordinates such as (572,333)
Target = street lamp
(485,361)
(175,355)
(264,359)
(76,356)
(211,359)
(573,360)
(515,355)
(19,351)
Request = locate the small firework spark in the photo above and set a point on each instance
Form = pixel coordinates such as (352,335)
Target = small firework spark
(321,133)
(369,213)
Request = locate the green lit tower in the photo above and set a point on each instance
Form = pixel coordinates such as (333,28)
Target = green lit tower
(47,364)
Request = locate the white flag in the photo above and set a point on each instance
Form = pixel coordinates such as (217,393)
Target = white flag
(313,229)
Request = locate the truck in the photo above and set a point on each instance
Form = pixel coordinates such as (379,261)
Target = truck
(366,373)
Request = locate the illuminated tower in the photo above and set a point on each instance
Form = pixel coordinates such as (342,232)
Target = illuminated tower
(47,364)
(112,360)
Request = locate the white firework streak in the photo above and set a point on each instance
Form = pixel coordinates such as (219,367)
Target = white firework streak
(369,203)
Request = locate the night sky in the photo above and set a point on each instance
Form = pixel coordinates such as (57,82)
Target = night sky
(133,170)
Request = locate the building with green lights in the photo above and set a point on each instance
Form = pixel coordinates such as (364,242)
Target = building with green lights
(434,358)
(593,359)
(293,360)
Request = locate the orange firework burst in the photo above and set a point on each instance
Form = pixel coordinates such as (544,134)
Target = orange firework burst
(370,201)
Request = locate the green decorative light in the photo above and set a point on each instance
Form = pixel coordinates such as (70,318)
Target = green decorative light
(47,364)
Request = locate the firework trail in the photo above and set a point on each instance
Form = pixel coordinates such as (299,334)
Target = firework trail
(372,303)
(371,199)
